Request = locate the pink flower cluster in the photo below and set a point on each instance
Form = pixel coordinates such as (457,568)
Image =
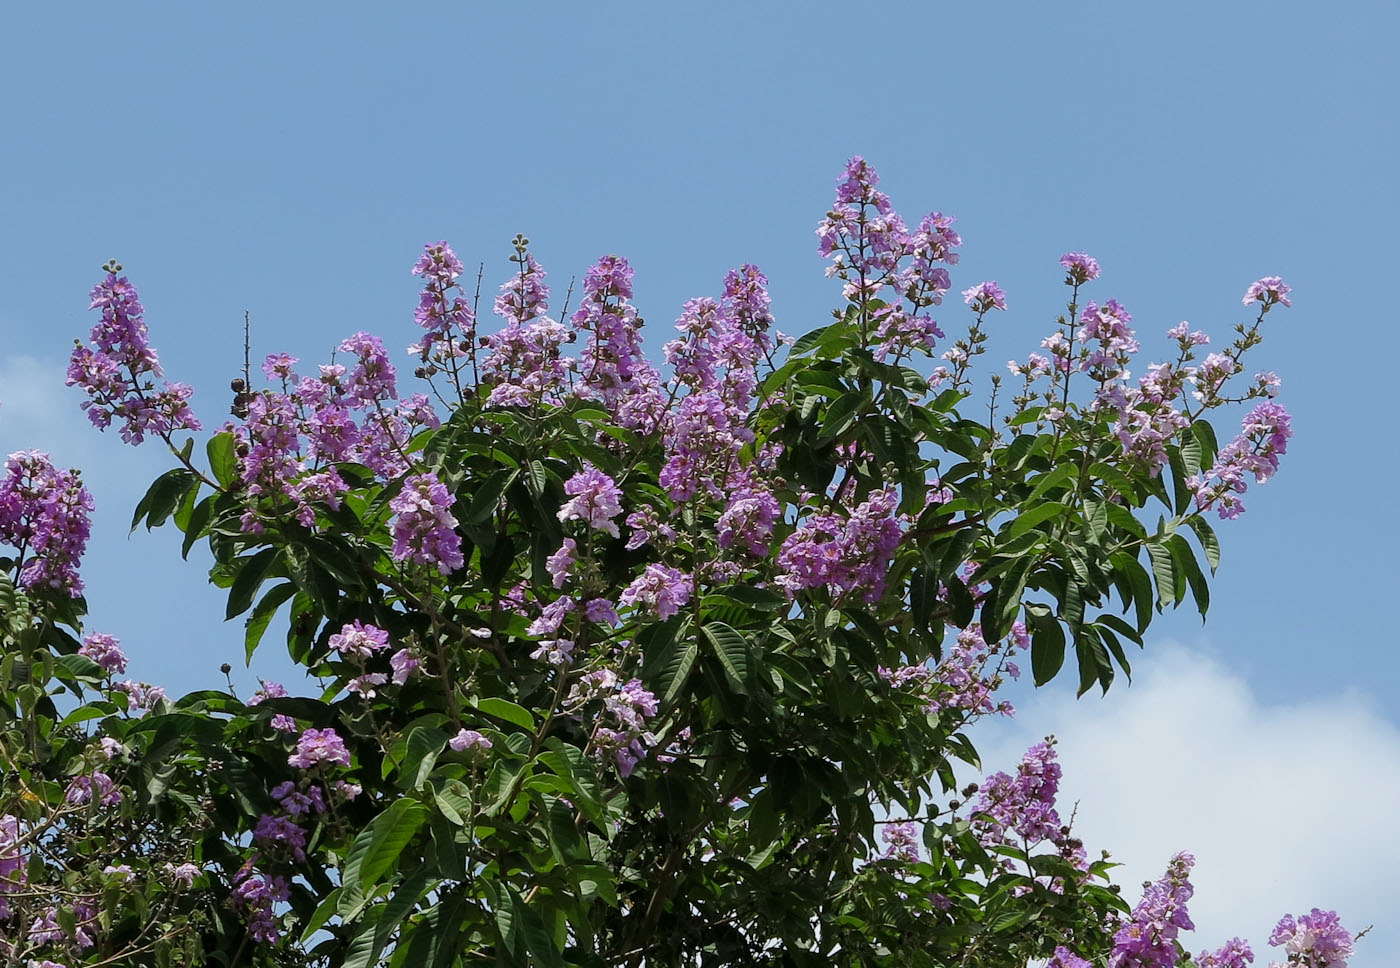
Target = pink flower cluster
(44,514)
(119,370)
(868,244)
(843,553)
(1262,440)
(1148,938)
(423,527)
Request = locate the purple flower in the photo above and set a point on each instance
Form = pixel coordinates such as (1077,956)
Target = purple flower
(99,787)
(267,690)
(902,840)
(363,686)
(985,296)
(423,527)
(278,366)
(661,589)
(1081,267)
(594,499)
(319,746)
(104,650)
(280,833)
(45,511)
(1316,938)
(1064,958)
(183,874)
(117,371)
(254,896)
(1269,290)
(1148,938)
(403,663)
(561,562)
(469,739)
(601,610)
(1233,954)
(359,639)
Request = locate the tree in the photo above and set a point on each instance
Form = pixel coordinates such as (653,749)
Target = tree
(622,668)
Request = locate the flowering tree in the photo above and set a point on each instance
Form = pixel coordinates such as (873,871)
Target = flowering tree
(611,666)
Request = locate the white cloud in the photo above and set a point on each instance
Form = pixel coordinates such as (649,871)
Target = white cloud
(1286,807)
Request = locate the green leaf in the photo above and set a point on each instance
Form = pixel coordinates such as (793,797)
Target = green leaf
(1164,571)
(198,521)
(261,616)
(223,463)
(841,415)
(379,847)
(1186,564)
(1037,515)
(1136,579)
(420,755)
(733,653)
(1210,544)
(163,497)
(251,571)
(507,710)
(1047,644)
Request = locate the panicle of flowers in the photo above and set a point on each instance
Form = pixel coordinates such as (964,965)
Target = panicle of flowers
(660,589)
(844,553)
(423,527)
(1080,268)
(14,872)
(901,842)
(613,368)
(141,696)
(747,305)
(281,834)
(867,244)
(963,680)
(1313,940)
(524,365)
(118,372)
(627,708)
(469,739)
(104,650)
(748,521)
(1148,938)
(359,639)
(442,309)
(1234,953)
(594,499)
(253,897)
(1263,439)
(1107,326)
(44,514)
(319,746)
(1023,804)
(1270,290)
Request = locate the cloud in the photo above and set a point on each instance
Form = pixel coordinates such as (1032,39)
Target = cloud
(1286,807)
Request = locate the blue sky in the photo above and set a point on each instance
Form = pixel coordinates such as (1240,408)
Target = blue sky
(291,160)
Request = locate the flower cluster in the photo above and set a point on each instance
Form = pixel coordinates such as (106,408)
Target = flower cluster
(627,707)
(423,528)
(118,372)
(319,746)
(44,514)
(1263,439)
(843,553)
(1313,940)
(1147,939)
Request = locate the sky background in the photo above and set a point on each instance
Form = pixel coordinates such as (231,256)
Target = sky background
(292,159)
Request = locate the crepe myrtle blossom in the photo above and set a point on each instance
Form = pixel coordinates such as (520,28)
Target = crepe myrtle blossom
(359,639)
(660,589)
(44,511)
(319,746)
(280,833)
(297,803)
(97,787)
(118,372)
(902,842)
(403,665)
(254,896)
(1081,267)
(1232,954)
(104,650)
(182,874)
(469,739)
(985,296)
(1147,938)
(423,527)
(562,562)
(1313,940)
(1270,290)
(1064,958)
(364,686)
(593,499)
